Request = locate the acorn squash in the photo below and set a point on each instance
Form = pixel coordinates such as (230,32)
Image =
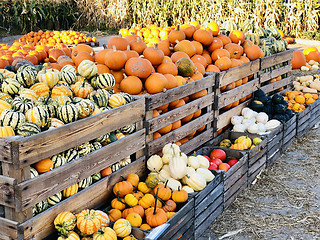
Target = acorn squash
(256,106)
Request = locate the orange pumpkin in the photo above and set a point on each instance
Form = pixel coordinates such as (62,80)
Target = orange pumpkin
(219,53)
(298,59)
(312,53)
(131,85)
(155,83)
(139,67)
(203,36)
(115,60)
(44,165)
(223,63)
(119,43)
(176,35)
(237,36)
(254,52)
(138,45)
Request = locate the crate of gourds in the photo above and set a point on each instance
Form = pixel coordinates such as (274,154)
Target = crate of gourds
(59,129)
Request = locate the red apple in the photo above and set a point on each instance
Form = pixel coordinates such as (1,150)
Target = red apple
(232,162)
(218,153)
(216,161)
(224,166)
(213,166)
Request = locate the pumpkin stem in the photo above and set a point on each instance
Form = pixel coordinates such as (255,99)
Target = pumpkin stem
(1,123)
(128,48)
(165,185)
(49,96)
(123,178)
(155,203)
(114,48)
(122,201)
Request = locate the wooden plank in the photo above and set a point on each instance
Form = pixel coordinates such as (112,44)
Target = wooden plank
(156,100)
(289,136)
(8,229)
(253,168)
(237,93)
(40,146)
(253,176)
(228,183)
(275,141)
(264,77)
(207,223)
(274,59)
(94,196)
(7,149)
(174,115)
(256,157)
(234,74)
(37,189)
(189,234)
(286,145)
(7,185)
(210,187)
(274,157)
(224,119)
(189,224)
(157,145)
(232,193)
(276,85)
(197,141)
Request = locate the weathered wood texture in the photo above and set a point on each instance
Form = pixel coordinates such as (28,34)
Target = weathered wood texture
(8,229)
(276,85)
(94,196)
(275,59)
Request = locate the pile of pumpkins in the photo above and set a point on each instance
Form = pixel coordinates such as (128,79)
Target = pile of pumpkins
(35,98)
(91,224)
(178,170)
(306,60)
(298,100)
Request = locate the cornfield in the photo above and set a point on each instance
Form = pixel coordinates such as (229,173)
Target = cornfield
(292,16)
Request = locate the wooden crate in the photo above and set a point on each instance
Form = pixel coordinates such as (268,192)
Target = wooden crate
(303,122)
(314,113)
(180,226)
(206,119)
(223,118)
(268,71)
(274,143)
(289,132)
(22,193)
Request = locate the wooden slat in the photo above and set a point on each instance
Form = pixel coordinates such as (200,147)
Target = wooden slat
(237,93)
(253,176)
(274,59)
(7,185)
(37,189)
(225,118)
(94,196)
(46,144)
(179,133)
(8,229)
(252,169)
(276,85)
(275,73)
(234,74)
(197,141)
(230,195)
(160,99)
(274,157)
(174,115)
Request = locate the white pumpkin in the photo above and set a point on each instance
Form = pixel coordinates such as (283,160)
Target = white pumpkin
(173,184)
(196,181)
(184,156)
(208,175)
(243,111)
(253,129)
(254,113)
(261,127)
(236,120)
(171,148)
(253,119)
(177,167)
(187,189)
(247,122)
(166,158)
(272,124)
(190,171)
(193,162)
(204,162)
(165,167)
(262,117)
(164,175)
(239,128)
(248,114)
(154,163)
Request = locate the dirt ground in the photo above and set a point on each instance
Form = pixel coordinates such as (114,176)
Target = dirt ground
(283,204)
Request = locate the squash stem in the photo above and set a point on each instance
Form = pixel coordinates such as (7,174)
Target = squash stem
(155,204)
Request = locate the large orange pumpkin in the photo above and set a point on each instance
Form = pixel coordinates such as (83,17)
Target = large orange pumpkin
(119,43)
(203,36)
(254,52)
(81,48)
(100,56)
(311,53)
(138,45)
(154,55)
(139,67)
(131,85)
(155,83)
(115,60)
(237,36)
(298,60)
(219,53)
(216,44)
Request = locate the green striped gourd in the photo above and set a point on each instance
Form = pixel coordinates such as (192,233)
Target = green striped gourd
(261,32)
(6,97)
(85,182)
(55,122)
(112,138)
(68,113)
(12,118)
(28,93)
(33,172)
(38,68)
(61,89)
(68,74)
(71,155)
(63,100)
(107,108)
(253,37)
(267,51)
(229,25)
(273,32)
(83,149)
(28,129)
(58,160)
(124,162)
(100,97)
(95,146)
(50,77)
(21,104)
(27,77)
(49,104)
(115,167)
(247,26)
(38,115)
(285,43)
(128,129)
(55,199)
(11,86)
(42,206)
(127,97)
(102,138)
(85,108)
(96,177)
(1,77)
(103,81)
(28,68)
(116,100)
(269,41)
(87,69)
